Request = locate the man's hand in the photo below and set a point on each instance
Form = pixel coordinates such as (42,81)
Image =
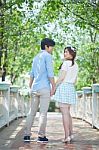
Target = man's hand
(52,92)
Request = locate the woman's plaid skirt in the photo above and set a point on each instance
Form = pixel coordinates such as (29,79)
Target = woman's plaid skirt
(65,93)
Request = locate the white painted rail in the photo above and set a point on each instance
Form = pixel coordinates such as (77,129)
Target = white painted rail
(15,102)
(4,103)
(13,111)
(95,105)
(87,105)
(23,102)
(79,113)
(12,103)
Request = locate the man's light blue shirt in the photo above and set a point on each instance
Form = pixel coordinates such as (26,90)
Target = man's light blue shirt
(42,70)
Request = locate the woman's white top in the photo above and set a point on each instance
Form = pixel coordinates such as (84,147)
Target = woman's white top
(71,71)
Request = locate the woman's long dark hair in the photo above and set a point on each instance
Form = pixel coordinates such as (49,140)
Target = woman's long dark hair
(72,51)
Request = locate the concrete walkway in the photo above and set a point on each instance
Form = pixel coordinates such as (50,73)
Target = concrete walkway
(86,138)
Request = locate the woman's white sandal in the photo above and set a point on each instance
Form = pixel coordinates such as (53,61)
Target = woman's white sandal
(67,140)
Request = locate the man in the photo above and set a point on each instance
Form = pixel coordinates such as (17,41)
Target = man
(42,85)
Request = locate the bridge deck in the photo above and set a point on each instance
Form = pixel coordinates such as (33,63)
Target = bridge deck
(86,138)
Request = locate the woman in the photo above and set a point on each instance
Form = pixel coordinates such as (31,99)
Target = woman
(65,93)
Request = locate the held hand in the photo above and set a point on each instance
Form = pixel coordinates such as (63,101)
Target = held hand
(52,92)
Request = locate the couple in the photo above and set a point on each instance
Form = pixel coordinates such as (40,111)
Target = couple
(43,87)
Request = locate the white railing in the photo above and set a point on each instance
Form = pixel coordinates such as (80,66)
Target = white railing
(13,106)
(15,102)
(79,107)
(95,105)
(23,102)
(12,103)
(4,103)
(87,106)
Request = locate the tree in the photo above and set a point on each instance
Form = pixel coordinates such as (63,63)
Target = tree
(25,23)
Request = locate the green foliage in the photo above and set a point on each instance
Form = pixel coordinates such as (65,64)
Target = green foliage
(51,107)
(88,65)
(25,23)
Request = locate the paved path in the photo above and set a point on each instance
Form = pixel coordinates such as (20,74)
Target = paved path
(86,138)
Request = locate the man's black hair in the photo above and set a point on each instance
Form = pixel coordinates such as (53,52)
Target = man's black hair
(48,42)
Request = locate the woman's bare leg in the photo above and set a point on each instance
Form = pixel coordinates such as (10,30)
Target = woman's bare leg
(65,116)
(70,123)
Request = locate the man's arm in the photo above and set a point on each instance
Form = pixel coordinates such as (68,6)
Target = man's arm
(52,81)
(31,77)
(30,82)
(50,72)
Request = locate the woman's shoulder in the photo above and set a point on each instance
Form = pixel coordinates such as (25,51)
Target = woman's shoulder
(65,64)
(68,62)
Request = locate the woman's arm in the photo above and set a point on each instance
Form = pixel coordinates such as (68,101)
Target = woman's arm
(75,80)
(61,77)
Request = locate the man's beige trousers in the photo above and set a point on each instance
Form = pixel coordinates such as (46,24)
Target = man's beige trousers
(39,99)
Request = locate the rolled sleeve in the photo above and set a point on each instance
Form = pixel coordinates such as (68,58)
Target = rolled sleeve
(64,66)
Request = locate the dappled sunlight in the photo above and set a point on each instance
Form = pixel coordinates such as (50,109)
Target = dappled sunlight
(23,23)
(84,138)
(14,134)
(7,142)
